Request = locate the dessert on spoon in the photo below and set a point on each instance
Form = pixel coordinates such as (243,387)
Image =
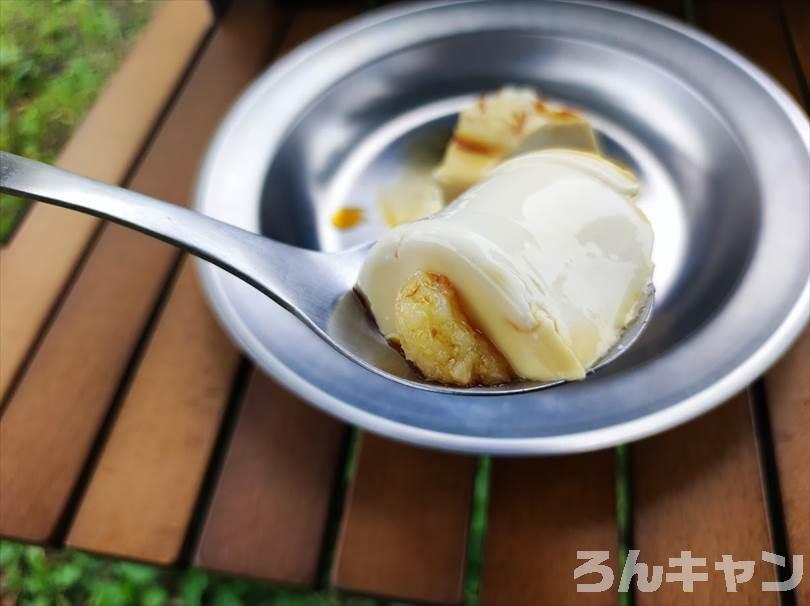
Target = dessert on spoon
(536,268)
(534,273)
(537,275)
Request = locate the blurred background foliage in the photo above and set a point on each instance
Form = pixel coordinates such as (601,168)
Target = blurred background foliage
(55,56)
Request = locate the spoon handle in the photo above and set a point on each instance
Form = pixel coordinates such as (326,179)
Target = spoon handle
(291,276)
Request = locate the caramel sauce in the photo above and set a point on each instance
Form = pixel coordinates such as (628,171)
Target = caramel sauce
(562,113)
(348,217)
(566,114)
(519,122)
(476,147)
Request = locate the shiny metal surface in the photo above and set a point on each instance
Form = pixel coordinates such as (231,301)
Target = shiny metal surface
(307,283)
(721,150)
(315,287)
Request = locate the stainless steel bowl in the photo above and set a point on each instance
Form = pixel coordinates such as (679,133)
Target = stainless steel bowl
(721,150)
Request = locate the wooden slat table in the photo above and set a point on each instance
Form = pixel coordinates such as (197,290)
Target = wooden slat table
(131,426)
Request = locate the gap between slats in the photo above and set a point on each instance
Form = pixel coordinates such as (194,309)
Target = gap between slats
(781,400)
(795,17)
(144,481)
(268,513)
(212,473)
(345,475)
(108,421)
(770,481)
(785,411)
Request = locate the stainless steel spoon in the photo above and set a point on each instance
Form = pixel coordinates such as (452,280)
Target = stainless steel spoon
(314,286)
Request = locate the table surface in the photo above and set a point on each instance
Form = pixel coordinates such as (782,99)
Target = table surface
(132,427)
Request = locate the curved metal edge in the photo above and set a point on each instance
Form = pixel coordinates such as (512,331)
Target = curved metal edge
(631,431)
(700,403)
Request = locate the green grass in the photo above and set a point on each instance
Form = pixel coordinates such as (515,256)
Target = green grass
(39,577)
(55,56)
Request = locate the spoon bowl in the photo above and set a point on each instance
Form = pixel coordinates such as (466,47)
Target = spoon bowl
(314,286)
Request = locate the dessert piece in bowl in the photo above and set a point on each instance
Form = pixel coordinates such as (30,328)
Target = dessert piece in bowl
(534,273)
(507,123)
(499,125)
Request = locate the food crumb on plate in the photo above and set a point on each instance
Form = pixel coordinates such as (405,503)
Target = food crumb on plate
(348,217)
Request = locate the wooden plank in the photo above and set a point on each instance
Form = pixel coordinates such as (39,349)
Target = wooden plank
(404,529)
(788,392)
(542,511)
(753,28)
(161,443)
(698,488)
(48,428)
(270,506)
(37,264)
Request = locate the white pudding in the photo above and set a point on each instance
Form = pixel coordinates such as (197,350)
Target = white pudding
(549,256)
